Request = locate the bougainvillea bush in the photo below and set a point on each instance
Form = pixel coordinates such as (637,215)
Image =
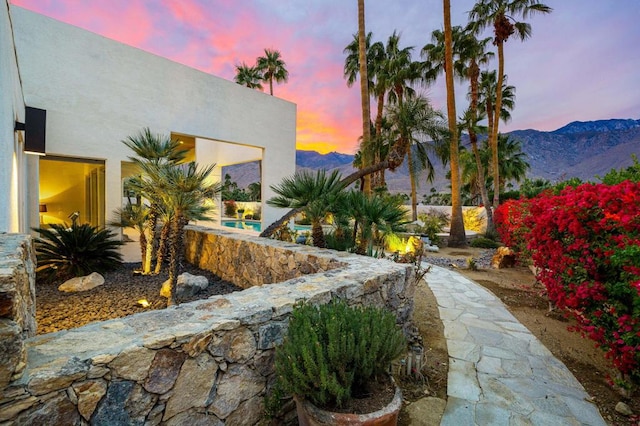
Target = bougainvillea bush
(585,242)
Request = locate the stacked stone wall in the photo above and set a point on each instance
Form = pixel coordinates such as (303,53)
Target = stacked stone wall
(204,362)
(17,304)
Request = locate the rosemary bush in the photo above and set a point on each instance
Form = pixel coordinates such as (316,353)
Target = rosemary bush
(332,352)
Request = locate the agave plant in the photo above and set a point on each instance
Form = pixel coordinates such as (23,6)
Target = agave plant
(64,252)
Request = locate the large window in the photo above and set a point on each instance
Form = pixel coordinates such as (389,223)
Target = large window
(72,188)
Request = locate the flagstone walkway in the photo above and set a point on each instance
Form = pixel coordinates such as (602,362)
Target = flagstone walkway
(500,373)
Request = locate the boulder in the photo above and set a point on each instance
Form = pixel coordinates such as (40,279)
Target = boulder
(504,258)
(85,283)
(187,285)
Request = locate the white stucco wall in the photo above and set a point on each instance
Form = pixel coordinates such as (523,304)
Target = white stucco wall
(97,92)
(15,174)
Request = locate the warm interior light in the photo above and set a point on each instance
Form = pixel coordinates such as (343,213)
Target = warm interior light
(144,303)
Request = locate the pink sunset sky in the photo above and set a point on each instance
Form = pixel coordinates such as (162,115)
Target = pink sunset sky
(581,63)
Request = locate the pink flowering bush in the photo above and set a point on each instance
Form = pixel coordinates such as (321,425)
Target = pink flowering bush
(586,243)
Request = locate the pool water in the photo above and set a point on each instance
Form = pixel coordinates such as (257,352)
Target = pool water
(243,224)
(256,226)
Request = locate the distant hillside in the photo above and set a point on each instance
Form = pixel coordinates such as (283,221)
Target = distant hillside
(579,149)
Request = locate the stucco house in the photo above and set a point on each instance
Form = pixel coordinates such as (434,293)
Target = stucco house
(74,96)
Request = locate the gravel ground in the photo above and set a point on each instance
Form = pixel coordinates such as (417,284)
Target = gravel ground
(116,298)
(483,261)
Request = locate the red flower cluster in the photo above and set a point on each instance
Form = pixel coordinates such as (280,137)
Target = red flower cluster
(586,244)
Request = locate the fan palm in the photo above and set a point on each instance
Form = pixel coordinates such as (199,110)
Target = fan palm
(421,128)
(500,14)
(185,190)
(311,193)
(64,252)
(152,151)
(375,217)
(273,68)
(133,216)
(248,76)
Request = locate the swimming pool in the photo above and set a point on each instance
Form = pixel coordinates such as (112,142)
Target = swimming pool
(243,224)
(251,225)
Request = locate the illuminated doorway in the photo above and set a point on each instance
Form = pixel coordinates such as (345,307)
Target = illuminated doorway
(72,188)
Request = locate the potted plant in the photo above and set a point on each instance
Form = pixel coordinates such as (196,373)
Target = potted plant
(335,360)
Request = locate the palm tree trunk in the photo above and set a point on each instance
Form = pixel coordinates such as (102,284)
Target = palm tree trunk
(496,121)
(474,73)
(175,244)
(143,247)
(364,94)
(457,237)
(150,238)
(412,179)
(318,234)
(162,247)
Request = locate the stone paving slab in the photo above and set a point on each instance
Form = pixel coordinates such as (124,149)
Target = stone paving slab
(500,373)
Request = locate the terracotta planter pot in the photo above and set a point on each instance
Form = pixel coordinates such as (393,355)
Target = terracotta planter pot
(310,415)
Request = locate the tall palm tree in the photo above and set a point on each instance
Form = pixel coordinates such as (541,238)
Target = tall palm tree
(501,14)
(457,235)
(248,76)
(473,53)
(152,151)
(375,59)
(273,68)
(185,190)
(364,93)
(418,126)
(311,194)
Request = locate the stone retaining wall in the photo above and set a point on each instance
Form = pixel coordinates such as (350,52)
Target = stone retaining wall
(17,304)
(204,362)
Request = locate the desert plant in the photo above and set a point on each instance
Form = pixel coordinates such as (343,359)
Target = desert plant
(230,208)
(334,352)
(64,252)
(434,223)
(483,242)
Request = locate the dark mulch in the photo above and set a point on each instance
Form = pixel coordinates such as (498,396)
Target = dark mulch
(117,297)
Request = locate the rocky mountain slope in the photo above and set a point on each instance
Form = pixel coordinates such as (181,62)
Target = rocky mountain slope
(579,149)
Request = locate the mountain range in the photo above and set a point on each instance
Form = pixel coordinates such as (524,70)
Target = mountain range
(579,149)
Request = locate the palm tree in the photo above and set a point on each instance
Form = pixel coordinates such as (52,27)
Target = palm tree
(311,194)
(249,76)
(152,151)
(469,53)
(473,54)
(457,235)
(133,216)
(512,162)
(418,126)
(375,58)
(272,68)
(364,93)
(184,190)
(375,216)
(500,14)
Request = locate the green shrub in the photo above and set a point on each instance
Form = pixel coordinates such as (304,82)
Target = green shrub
(434,223)
(483,242)
(333,352)
(341,241)
(64,252)
(230,208)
